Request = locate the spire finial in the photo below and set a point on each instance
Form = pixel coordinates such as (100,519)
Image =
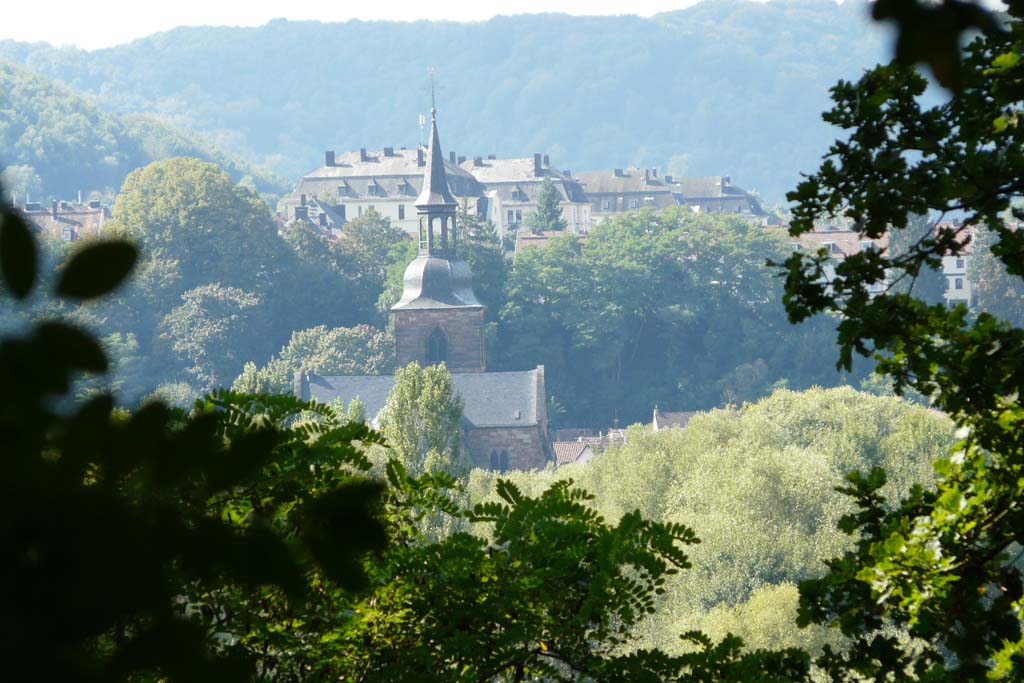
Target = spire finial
(433,103)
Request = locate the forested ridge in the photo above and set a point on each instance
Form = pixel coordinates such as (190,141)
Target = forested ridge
(726,87)
(69,144)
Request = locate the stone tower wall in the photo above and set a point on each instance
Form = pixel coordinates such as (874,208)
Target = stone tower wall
(464,329)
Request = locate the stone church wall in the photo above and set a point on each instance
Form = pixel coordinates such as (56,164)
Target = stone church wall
(464,329)
(525,446)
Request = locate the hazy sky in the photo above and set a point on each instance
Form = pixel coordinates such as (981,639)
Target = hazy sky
(102,23)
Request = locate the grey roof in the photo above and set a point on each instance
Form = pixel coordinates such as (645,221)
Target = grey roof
(396,174)
(705,187)
(632,180)
(504,176)
(491,399)
(435,181)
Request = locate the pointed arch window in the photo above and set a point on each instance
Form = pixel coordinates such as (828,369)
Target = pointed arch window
(437,347)
(499,461)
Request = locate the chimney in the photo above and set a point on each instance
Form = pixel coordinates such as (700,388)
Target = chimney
(53,208)
(462,160)
(79,197)
(654,172)
(668,179)
(478,161)
(537,169)
(618,173)
(301,213)
(451,157)
(329,158)
(362,154)
(94,204)
(726,180)
(547,161)
(491,157)
(567,173)
(647,175)
(389,151)
(302,200)
(420,161)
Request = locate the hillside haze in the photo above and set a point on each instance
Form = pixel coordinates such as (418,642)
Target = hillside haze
(726,87)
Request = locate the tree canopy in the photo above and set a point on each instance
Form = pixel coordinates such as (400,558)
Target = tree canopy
(675,309)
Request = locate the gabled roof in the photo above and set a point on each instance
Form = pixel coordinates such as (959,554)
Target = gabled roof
(525,238)
(491,399)
(663,419)
(840,243)
(567,452)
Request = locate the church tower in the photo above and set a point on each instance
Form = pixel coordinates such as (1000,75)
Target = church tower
(438,319)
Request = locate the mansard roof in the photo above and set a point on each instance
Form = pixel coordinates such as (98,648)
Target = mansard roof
(391,169)
(491,399)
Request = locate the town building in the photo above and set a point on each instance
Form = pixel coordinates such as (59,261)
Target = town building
(437,320)
(387,180)
(954,266)
(67,221)
(841,243)
(623,190)
(511,189)
(664,419)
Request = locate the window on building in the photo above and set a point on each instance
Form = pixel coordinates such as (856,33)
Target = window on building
(511,217)
(499,461)
(519,216)
(371,190)
(360,210)
(437,347)
(959,263)
(632,203)
(69,235)
(959,283)
(401,212)
(605,205)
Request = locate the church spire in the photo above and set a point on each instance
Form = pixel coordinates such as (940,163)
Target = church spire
(435,179)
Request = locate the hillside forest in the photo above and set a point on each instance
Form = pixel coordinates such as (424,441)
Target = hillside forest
(728,87)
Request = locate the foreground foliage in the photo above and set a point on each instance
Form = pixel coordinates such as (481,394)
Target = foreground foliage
(109,520)
(943,562)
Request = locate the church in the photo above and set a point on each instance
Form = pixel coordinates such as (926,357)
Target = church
(439,320)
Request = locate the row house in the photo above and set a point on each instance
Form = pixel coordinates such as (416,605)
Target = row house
(512,187)
(623,190)
(66,221)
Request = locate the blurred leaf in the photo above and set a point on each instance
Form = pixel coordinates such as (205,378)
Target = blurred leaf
(97,269)
(17,254)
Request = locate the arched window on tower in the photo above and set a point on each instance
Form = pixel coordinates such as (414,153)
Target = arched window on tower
(499,461)
(437,347)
